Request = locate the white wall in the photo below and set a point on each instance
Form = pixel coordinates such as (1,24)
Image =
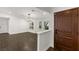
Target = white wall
(52,32)
(17,25)
(44,41)
(4,25)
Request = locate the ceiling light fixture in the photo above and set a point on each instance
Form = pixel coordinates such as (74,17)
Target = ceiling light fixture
(31,14)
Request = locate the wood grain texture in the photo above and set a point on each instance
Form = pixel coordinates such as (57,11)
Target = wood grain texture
(18,42)
(66,30)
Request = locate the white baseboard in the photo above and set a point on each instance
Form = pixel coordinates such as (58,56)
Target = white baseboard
(43,49)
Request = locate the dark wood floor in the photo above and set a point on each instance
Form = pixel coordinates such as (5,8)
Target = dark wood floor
(18,42)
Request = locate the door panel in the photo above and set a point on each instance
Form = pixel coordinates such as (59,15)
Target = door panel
(65,27)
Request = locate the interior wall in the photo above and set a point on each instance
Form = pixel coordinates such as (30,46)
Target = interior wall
(17,25)
(52,31)
(4,25)
(44,40)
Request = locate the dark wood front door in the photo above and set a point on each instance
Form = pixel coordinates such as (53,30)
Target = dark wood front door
(65,30)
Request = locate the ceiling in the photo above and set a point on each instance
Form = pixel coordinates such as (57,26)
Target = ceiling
(47,9)
(24,11)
